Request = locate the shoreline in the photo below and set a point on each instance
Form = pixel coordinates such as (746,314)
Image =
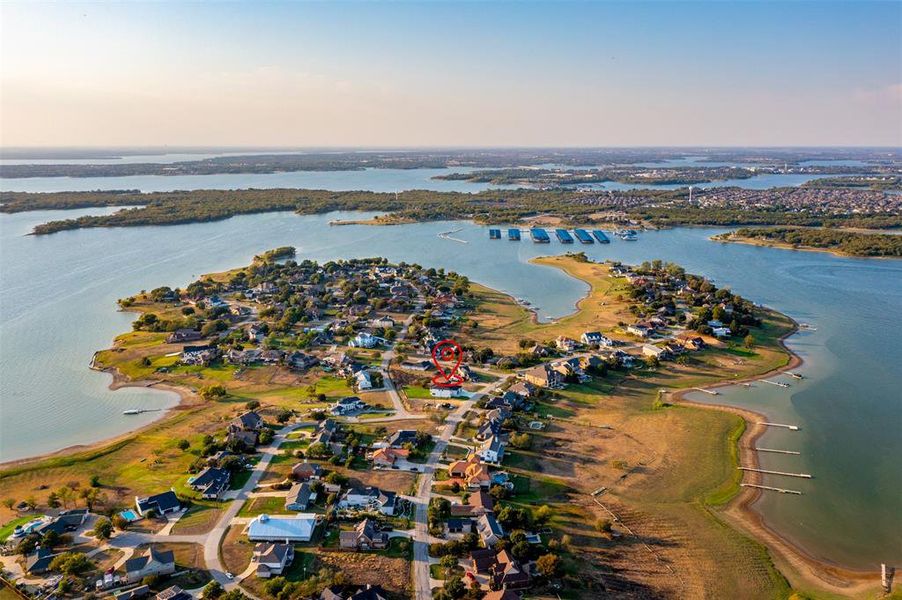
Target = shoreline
(741,514)
(784,246)
(118,381)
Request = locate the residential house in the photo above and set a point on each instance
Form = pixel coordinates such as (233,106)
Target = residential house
(364,536)
(199,355)
(654,351)
(296,528)
(306,471)
(691,342)
(256,333)
(38,562)
(385,321)
(401,437)
(299,497)
(212,482)
(180,336)
(272,558)
(595,338)
(300,361)
(363,380)
(507,572)
(492,450)
(489,529)
(420,365)
(162,503)
(133,594)
(447,392)
(370,592)
(385,458)
(369,498)
(248,421)
(565,344)
(543,375)
(152,562)
(721,332)
(173,593)
(473,473)
(458,525)
(524,389)
(350,404)
(364,340)
(642,330)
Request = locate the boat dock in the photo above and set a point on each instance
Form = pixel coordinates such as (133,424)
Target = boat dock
(630,235)
(564,236)
(513,234)
(583,236)
(600,236)
(792,427)
(770,488)
(539,235)
(494,234)
(776,451)
(776,383)
(768,472)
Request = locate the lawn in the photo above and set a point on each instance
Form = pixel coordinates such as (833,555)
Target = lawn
(268,505)
(200,518)
(417,391)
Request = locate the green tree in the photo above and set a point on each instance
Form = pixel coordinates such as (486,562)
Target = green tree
(749,341)
(103,528)
(213,392)
(184,445)
(213,590)
(548,565)
(71,563)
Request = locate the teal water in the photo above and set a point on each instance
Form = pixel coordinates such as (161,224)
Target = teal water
(57,305)
(377,180)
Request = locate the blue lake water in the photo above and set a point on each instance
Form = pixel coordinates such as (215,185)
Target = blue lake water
(57,306)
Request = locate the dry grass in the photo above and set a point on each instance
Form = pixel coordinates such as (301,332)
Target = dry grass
(236,551)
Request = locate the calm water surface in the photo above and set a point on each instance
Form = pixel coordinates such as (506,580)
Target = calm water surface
(57,306)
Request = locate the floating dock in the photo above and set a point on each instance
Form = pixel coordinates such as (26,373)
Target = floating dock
(792,427)
(564,236)
(777,451)
(600,236)
(770,488)
(494,234)
(583,236)
(712,392)
(630,235)
(539,235)
(767,472)
(513,234)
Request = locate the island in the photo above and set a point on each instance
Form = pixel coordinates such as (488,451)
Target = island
(839,242)
(317,448)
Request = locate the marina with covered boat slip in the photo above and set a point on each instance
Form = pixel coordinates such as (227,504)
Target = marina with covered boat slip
(495,234)
(539,235)
(563,236)
(513,234)
(583,236)
(600,236)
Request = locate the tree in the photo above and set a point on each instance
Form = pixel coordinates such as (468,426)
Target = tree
(66,495)
(283,416)
(71,563)
(603,525)
(252,405)
(749,341)
(103,528)
(213,392)
(448,562)
(91,496)
(542,514)
(522,441)
(548,565)
(184,445)
(213,590)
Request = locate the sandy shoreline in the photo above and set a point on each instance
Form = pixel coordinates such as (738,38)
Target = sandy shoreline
(805,569)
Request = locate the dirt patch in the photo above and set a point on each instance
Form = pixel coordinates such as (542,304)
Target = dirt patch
(361,568)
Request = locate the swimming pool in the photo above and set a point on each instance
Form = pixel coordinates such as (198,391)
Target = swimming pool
(129,515)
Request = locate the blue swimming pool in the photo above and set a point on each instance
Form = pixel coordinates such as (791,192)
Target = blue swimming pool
(129,515)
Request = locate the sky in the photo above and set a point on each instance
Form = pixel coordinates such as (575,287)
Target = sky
(300,74)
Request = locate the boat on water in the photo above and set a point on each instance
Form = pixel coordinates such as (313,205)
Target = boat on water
(539,235)
(583,236)
(629,235)
(138,411)
(513,234)
(600,236)
(796,375)
(494,234)
(564,236)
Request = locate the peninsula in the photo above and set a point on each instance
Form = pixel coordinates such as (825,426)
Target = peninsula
(308,403)
(843,243)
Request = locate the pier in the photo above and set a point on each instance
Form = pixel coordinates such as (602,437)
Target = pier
(494,234)
(792,427)
(583,236)
(446,235)
(770,488)
(513,234)
(793,452)
(712,392)
(776,383)
(768,472)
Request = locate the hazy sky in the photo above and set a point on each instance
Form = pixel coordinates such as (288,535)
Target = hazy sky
(401,74)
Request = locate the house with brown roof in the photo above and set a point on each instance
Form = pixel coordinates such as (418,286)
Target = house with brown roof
(543,375)
(364,536)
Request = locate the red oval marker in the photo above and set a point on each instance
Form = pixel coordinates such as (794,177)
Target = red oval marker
(447,350)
